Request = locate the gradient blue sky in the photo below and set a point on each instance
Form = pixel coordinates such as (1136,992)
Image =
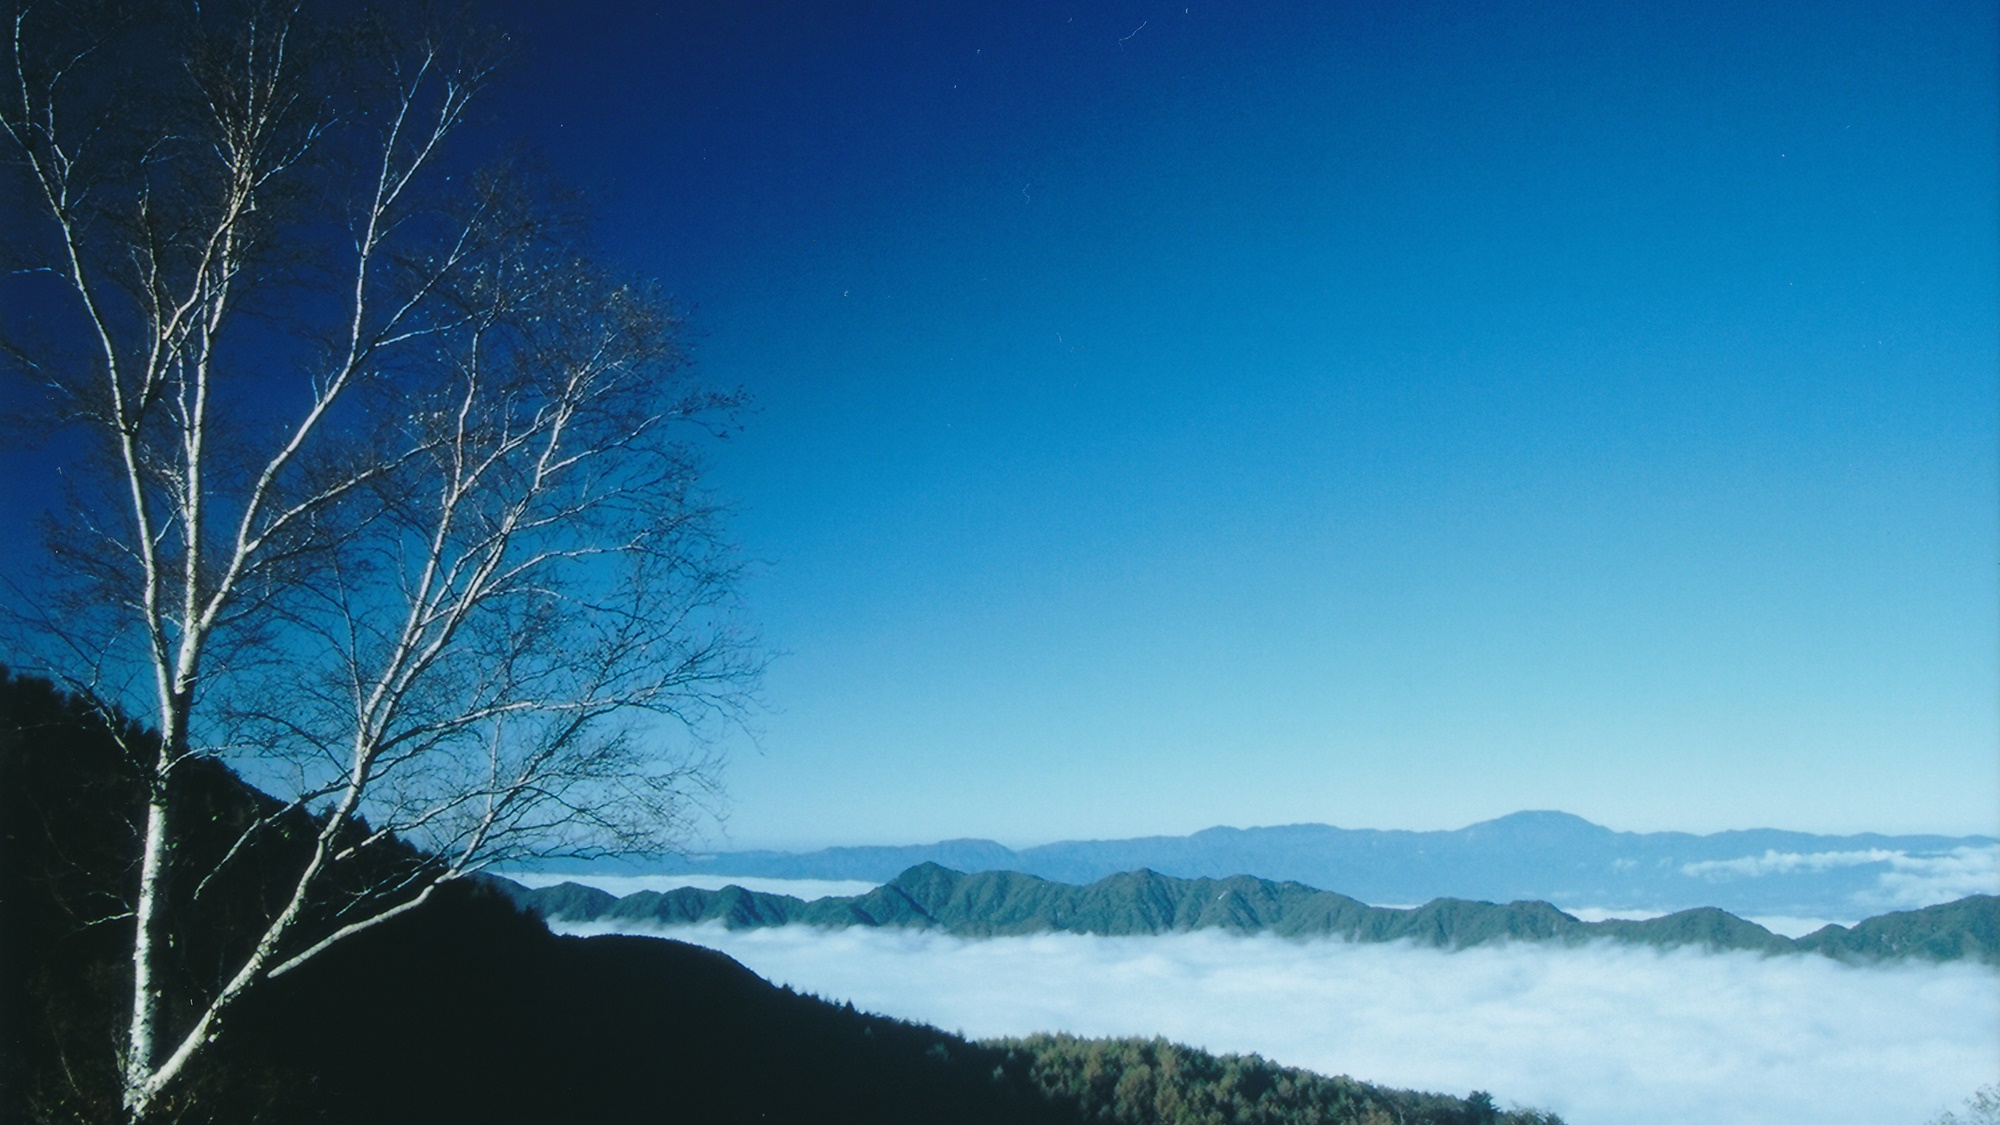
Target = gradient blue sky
(1186,414)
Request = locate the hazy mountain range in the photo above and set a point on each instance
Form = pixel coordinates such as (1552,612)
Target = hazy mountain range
(1548,856)
(1001,903)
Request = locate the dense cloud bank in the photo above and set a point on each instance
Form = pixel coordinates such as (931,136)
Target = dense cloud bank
(1603,1035)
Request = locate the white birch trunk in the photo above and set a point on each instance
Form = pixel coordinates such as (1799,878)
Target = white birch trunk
(542,566)
(138,1062)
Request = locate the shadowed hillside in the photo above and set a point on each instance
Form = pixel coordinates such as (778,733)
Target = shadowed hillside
(469,1010)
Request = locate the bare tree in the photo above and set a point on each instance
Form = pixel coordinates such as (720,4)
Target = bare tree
(1982,1108)
(384,494)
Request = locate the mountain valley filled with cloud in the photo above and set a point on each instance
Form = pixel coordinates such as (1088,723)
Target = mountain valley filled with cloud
(1602,1035)
(1600,1031)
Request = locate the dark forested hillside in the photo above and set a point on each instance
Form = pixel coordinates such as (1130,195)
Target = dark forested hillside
(1968,928)
(996,903)
(1137,1081)
(469,1010)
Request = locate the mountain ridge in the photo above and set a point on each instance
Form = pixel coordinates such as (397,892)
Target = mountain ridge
(987,904)
(1535,854)
(470,1010)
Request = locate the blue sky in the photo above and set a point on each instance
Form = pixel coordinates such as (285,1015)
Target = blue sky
(1175,414)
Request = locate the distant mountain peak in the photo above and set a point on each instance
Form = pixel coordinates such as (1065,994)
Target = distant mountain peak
(1541,821)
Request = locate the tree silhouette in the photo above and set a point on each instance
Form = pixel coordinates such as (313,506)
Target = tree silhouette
(383,491)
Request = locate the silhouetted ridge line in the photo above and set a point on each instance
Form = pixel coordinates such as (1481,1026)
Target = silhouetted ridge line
(1006,903)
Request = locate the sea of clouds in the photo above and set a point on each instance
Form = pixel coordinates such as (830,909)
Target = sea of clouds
(1602,1034)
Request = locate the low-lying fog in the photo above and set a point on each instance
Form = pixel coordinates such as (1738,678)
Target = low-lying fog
(1604,1035)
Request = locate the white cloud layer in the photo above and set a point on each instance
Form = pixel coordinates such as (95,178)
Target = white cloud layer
(1914,881)
(1785,863)
(1604,1035)
(1906,882)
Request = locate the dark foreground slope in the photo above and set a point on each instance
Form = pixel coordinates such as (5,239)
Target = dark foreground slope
(472,1011)
(1004,903)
